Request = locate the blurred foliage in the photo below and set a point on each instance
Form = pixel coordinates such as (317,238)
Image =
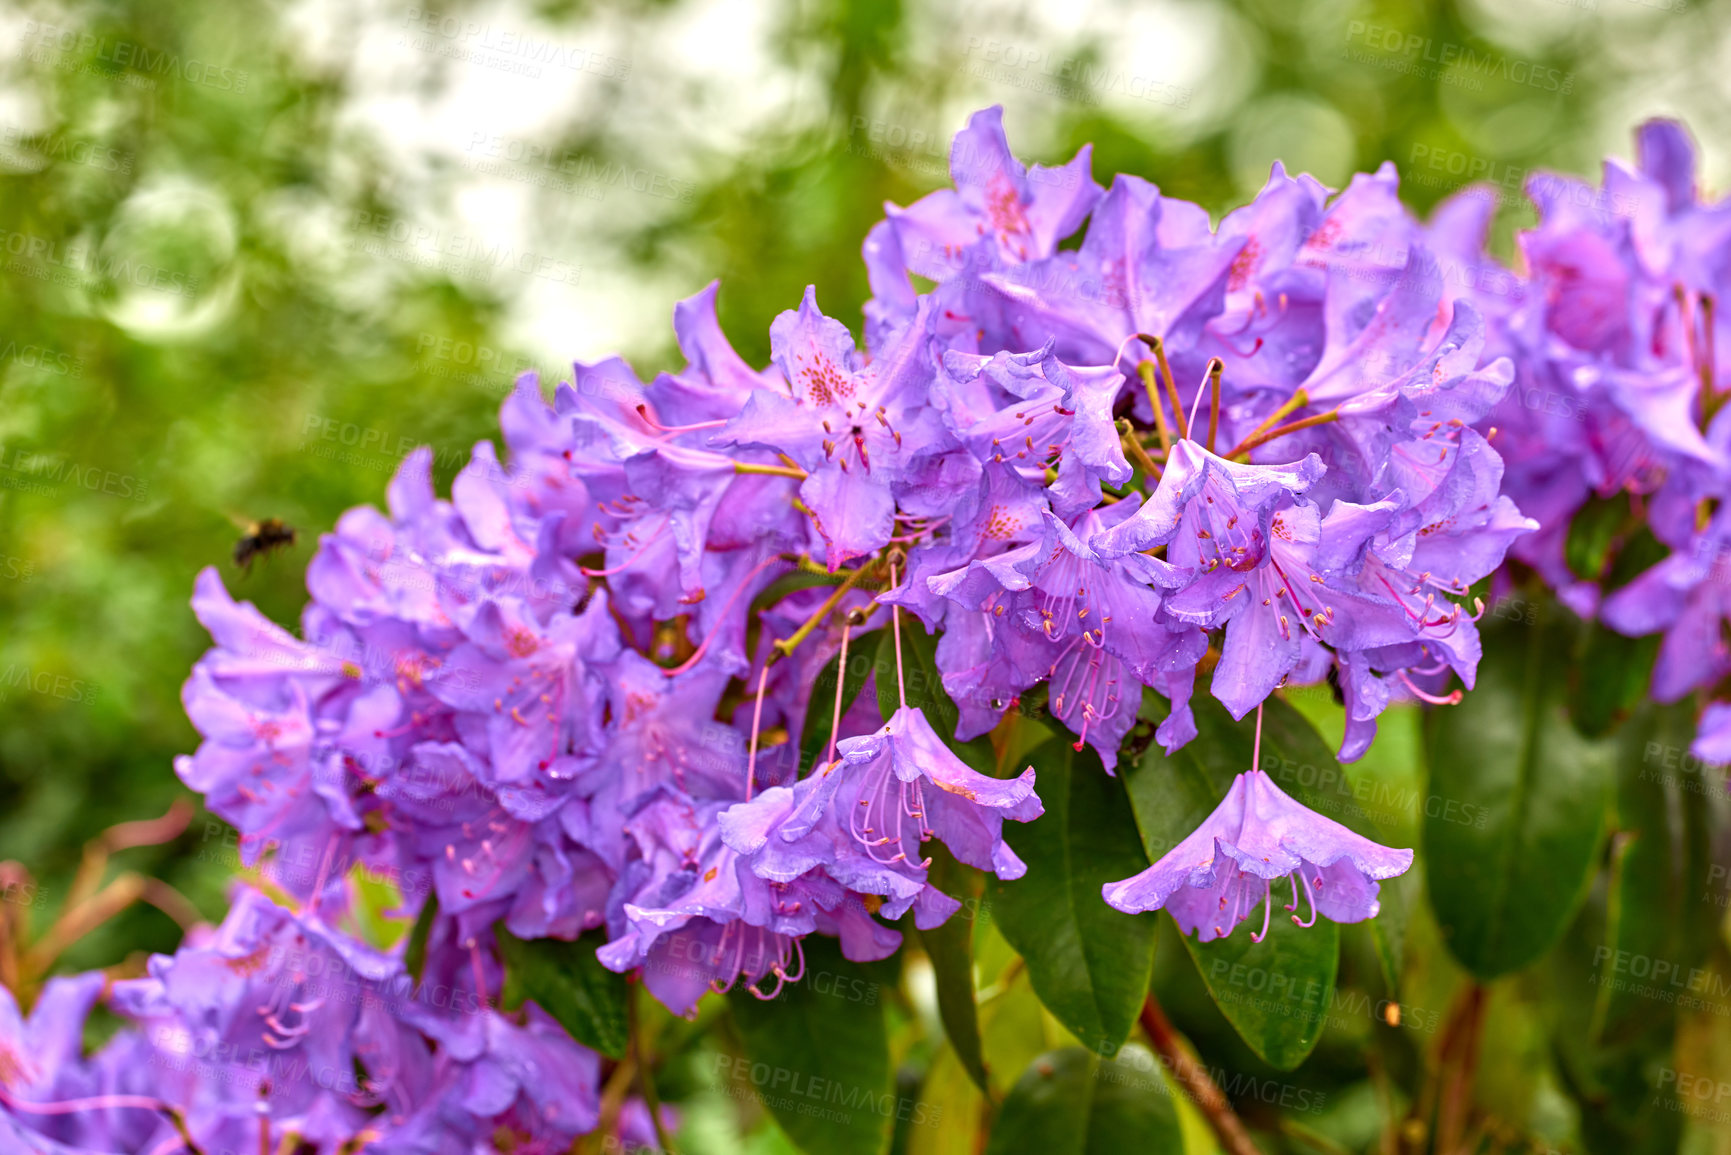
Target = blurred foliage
(250,254)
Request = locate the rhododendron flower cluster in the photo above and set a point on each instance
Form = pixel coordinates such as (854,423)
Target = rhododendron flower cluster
(1616,430)
(574,697)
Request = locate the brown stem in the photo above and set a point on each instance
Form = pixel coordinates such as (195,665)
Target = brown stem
(1178,417)
(646,1072)
(149,831)
(613,1094)
(172,903)
(790,643)
(1215,367)
(1244,447)
(1145,370)
(1193,1076)
(125,836)
(1138,454)
(1457,1093)
(1388,1142)
(792,471)
(79,921)
(14,925)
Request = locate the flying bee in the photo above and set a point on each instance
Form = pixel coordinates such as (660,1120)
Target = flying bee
(262,539)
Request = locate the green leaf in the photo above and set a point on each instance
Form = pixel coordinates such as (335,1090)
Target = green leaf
(950,948)
(569,983)
(824,1056)
(1660,855)
(1593,531)
(861,656)
(415,955)
(1089,964)
(1388,933)
(1640,552)
(1609,678)
(1512,839)
(1071,1102)
(1276,994)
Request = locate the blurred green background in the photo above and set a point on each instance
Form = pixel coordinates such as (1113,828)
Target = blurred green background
(251,253)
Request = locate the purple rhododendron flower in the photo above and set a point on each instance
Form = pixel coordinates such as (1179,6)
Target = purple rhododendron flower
(583,694)
(862,818)
(1257,835)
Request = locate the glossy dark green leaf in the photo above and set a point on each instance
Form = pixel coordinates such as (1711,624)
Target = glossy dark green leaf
(819,1056)
(950,947)
(569,983)
(1275,994)
(1388,933)
(1071,1102)
(1658,919)
(1512,843)
(415,955)
(1609,678)
(1640,551)
(861,656)
(1089,964)
(1593,531)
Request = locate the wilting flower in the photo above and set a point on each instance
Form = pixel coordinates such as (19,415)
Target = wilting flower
(1209,882)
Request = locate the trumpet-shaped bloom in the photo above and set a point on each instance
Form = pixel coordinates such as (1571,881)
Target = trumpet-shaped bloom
(863,817)
(1215,878)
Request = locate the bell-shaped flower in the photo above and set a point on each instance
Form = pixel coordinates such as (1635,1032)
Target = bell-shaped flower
(689,912)
(1065,610)
(1257,836)
(863,817)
